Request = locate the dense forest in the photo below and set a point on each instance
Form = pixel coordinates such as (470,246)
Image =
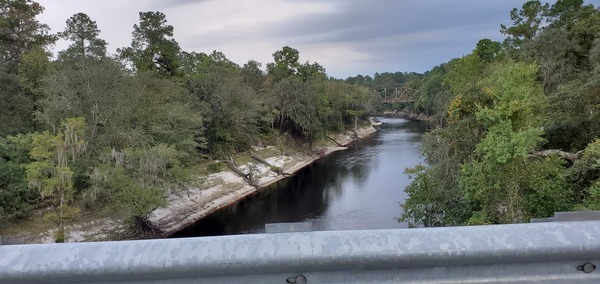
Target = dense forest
(114,133)
(515,124)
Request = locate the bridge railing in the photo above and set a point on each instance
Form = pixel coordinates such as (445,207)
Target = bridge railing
(554,252)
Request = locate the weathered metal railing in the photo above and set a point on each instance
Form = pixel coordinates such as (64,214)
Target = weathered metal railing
(561,252)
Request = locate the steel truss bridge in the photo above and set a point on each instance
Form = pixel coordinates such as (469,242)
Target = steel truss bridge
(396,94)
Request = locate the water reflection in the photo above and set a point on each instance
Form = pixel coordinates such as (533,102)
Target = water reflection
(354,189)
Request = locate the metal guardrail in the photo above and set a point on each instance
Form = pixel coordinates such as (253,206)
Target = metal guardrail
(562,252)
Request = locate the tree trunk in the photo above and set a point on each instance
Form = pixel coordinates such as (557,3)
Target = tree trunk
(60,233)
(567,156)
(235,169)
(336,143)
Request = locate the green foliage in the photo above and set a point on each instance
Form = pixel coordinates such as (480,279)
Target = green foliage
(16,106)
(585,175)
(432,202)
(153,47)
(16,199)
(493,180)
(546,188)
(488,50)
(134,182)
(216,167)
(286,63)
(299,105)
(526,23)
(235,114)
(20,30)
(83,33)
(592,201)
(434,96)
(50,172)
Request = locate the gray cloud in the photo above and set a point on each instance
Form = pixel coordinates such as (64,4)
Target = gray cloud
(346,36)
(176,3)
(403,35)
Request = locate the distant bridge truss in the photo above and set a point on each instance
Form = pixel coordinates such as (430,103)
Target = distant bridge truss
(396,94)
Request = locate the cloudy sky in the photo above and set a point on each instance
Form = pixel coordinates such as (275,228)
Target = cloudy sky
(347,37)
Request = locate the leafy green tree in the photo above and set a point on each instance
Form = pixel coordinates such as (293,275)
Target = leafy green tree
(527,22)
(50,172)
(15,112)
(253,76)
(235,116)
(497,179)
(33,68)
(162,112)
(153,47)
(16,199)
(286,63)
(564,12)
(83,33)
(134,182)
(20,31)
(314,71)
(97,93)
(585,177)
(22,38)
(488,50)
(300,106)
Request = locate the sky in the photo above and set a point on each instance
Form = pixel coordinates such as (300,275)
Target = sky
(347,37)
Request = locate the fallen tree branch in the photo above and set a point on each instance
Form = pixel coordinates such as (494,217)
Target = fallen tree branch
(567,156)
(275,169)
(337,143)
(256,157)
(247,177)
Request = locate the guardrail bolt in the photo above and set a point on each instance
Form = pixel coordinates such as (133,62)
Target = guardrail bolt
(300,279)
(586,267)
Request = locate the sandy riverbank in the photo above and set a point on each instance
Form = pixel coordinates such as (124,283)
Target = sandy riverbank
(185,208)
(220,190)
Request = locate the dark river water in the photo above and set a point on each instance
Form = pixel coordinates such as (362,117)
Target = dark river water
(360,188)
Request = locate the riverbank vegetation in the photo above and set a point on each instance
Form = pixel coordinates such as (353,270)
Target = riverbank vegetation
(516,128)
(87,132)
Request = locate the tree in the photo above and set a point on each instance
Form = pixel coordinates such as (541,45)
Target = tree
(498,179)
(51,174)
(252,74)
(83,33)
(134,182)
(585,175)
(96,93)
(153,47)
(300,106)
(563,12)
(488,50)
(16,199)
(286,63)
(22,42)
(527,22)
(314,71)
(20,31)
(235,116)
(15,115)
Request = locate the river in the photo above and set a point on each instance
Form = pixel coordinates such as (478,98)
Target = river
(359,188)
